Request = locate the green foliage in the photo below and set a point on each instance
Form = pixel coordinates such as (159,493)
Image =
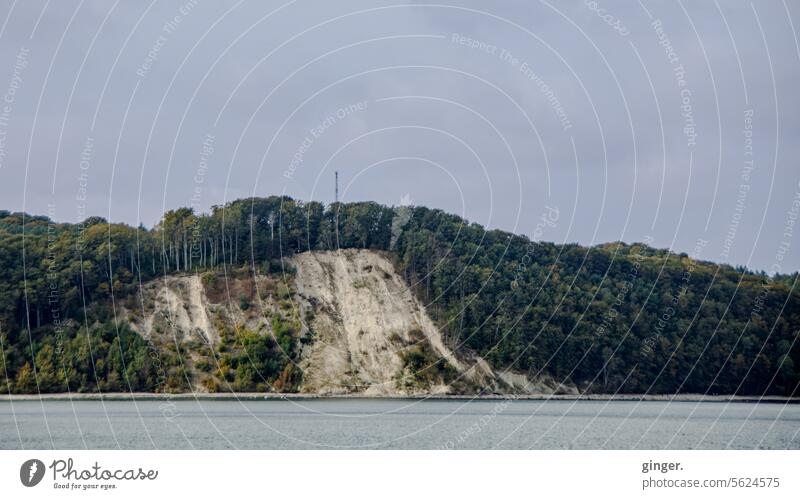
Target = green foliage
(103,358)
(612,317)
(423,367)
(261,362)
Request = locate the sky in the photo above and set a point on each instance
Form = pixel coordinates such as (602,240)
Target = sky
(673,123)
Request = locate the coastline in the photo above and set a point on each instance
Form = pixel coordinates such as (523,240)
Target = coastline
(253,396)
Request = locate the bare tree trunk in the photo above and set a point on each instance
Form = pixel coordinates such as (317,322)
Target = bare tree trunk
(186,255)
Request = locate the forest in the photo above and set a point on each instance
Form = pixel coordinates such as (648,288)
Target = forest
(613,318)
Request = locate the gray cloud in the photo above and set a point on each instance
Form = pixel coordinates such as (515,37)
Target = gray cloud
(454,127)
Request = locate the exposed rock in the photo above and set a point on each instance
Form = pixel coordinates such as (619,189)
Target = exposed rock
(363,330)
(365,322)
(178,306)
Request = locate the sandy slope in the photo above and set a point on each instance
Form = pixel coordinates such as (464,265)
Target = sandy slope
(179,303)
(364,316)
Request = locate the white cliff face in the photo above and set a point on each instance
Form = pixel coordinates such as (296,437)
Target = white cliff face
(178,307)
(361,324)
(179,304)
(365,318)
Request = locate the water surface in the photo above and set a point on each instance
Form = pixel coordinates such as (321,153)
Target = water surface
(396,424)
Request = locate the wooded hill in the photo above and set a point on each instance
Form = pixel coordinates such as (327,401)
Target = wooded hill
(612,318)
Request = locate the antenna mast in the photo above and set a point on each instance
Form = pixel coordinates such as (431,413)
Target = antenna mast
(337,188)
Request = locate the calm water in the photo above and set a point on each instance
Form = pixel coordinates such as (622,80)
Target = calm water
(397,424)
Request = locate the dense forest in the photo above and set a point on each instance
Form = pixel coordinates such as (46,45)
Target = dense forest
(613,318)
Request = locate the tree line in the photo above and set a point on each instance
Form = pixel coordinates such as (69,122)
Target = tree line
(616,317)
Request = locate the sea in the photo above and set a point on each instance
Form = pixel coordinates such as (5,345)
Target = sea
(396,424)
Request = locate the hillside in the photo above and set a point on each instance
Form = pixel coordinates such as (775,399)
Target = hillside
(272,294)
(358,329)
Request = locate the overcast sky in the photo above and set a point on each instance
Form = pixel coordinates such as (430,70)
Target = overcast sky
(664,121)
